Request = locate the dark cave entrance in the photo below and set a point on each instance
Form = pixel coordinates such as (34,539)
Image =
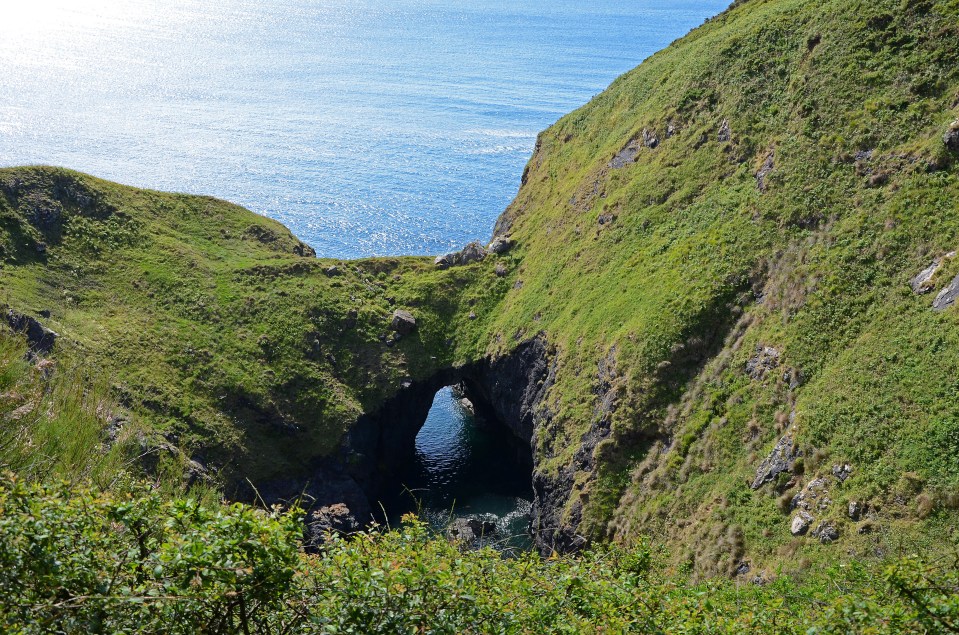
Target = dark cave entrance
(464,464)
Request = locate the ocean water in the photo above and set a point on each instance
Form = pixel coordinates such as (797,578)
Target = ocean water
(369,127)
(465,468)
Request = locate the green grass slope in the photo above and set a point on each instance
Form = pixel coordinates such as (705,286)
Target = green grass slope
(218,329)
(789,178)
(718,248)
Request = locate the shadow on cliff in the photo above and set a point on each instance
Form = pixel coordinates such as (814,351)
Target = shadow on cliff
(342,492)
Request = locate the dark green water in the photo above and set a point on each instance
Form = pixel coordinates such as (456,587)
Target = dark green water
(466,469)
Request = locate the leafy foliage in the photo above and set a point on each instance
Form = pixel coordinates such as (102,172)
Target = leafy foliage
(74,560)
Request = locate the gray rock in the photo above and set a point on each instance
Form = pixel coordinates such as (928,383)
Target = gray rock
(472,315)
(499,245)
(471,532)
(765,170)
(856,510)
(473,252)
(500,270)
(780,460)
(743,568)
(793,377)
(765,359)
(671,130)
(332,270)
(194,472)
(922,282)
(951,138)
(725,133)
(40,338)
(302,249)
(800,524)
(842,472)
(650,139)
(815,496)
(626,156)
(826,532)
(446,261)
(947,297)
(403,322)
(335,518)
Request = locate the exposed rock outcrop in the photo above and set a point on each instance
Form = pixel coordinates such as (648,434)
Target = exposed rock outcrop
(800,524)
(471,533)
(725,132)
(764,360)
(780,460)
(500,245)
(769,163)
(626,156)
(473,252)
(951,137)
(40,338)
(826,532)
(335,518)
(922,282)
(947,297)
(403,322)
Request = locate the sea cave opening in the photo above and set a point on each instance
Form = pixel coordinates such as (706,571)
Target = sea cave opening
(467,468)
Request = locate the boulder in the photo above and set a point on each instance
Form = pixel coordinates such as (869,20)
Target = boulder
(800,524)
(826,532)
(471,532)
(403,322)
(500,245)
(335,518)
(780,460)
(473,252)
(446,261)
(951,137)
(500,270)
(856,510)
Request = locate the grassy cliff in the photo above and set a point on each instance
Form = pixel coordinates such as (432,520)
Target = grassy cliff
(219,330)
(720,246)
(718,250)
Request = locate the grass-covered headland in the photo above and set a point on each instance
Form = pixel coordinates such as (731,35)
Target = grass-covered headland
(722,300)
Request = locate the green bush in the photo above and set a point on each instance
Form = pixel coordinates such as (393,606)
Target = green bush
(74,560)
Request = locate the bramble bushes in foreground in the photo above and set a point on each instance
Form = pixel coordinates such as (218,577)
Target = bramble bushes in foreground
(80,561)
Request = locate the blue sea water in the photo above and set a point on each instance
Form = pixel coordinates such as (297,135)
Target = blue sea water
(368,127)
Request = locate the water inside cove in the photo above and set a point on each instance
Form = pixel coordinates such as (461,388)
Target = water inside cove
(466,469)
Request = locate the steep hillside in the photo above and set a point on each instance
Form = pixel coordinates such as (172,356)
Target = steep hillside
(243,355)
(720,247)
(706,324)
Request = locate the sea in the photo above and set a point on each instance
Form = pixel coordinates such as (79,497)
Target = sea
(368,127)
